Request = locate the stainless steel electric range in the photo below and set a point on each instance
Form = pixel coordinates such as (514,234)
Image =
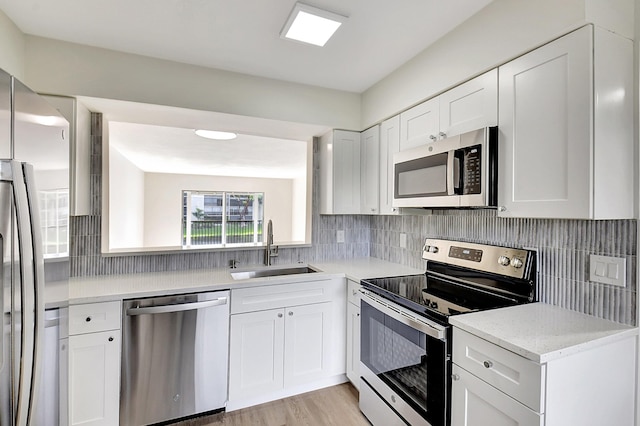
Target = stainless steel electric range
(405,332)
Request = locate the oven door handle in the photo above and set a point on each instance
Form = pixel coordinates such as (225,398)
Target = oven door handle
(425,326)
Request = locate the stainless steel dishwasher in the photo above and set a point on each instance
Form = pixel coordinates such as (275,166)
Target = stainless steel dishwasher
(175,352)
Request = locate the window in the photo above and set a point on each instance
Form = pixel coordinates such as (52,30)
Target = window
(54,222)
(222,218)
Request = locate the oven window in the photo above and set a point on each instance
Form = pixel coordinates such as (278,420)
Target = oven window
(413,364)
(396,353)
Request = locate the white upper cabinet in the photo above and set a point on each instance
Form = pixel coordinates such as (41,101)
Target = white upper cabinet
(370,171)
(470,106)
(419,125)
(389,145)
(566,141)
(340,172)
(79,118)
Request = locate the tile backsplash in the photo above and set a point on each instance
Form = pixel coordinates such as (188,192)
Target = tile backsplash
(563,246)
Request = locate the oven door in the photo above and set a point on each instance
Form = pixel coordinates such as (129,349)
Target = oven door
(404,361)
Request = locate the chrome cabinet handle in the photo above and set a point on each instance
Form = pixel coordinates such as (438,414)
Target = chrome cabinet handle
(290,313)
(433,137)
(487,364)
(443,135)
(111,338)
(88,319)
(280,315)
(177,308)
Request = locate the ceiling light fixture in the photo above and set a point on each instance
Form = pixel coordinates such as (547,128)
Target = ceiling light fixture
(217,135)
(311,25)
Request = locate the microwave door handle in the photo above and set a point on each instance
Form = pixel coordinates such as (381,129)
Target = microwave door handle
(458,159)
(451,173)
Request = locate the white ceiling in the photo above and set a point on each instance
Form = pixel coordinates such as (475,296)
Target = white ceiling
(160,149)
(241,36)
(244,35)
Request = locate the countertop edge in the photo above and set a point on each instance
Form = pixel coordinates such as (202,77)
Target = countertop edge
(616,333)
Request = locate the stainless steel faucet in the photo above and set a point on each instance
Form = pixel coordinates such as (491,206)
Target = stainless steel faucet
(270,251)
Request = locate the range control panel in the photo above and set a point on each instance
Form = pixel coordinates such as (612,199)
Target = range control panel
(472,255)
(512,262)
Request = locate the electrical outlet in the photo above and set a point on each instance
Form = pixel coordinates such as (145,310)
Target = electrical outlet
(403,240)
(608,270)
(340,236)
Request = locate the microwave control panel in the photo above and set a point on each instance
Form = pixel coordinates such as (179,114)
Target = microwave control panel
(472,169)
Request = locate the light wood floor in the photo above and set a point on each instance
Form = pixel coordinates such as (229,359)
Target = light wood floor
(336,405)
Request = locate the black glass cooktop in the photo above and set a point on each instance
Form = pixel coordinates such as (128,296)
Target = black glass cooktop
(435,296)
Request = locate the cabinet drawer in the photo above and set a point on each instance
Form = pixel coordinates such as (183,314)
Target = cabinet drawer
(353,295)
(281,295)
(94,317)
(514,375)
(474,402)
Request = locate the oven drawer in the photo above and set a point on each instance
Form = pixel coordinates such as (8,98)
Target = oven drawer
(353,295)
(522,379)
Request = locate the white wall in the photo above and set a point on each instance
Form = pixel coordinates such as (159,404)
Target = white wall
(63,68)
(163,203)
(51,179)
(126,203)
(12,47)
(502,30)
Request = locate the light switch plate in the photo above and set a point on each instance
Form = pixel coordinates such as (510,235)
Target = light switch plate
(403,240)
(608,270)
(340,236)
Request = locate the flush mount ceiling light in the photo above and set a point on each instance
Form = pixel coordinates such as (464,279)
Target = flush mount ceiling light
(217,135)
(311,25)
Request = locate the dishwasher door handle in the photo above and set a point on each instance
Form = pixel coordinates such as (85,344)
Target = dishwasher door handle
(177,308)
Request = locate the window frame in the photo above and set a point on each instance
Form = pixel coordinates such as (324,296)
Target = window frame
(187,221)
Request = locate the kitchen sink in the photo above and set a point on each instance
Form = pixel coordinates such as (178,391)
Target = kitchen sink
(271,272)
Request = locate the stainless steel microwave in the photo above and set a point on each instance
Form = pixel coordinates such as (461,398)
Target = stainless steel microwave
(459,171)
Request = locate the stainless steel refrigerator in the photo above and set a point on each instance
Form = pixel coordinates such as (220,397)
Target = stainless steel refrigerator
(26,123)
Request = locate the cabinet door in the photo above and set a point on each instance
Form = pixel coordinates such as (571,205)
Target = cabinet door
(470,106)
(256,353)
(419,125)
(389,145)
(353,344)
(340,172)
(94,378)
(545,140)
(370,171)
(476,403)
(307,344)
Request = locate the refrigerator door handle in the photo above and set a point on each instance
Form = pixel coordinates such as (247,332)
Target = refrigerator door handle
(32,281)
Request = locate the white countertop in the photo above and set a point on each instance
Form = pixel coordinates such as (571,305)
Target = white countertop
(119,287)
(541,332)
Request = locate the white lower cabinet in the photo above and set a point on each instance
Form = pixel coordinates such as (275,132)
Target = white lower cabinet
(307,340)
(289,349)
(353,344)
(353,333)
(476,403)
(492,386)
(94,365)
(256,350)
